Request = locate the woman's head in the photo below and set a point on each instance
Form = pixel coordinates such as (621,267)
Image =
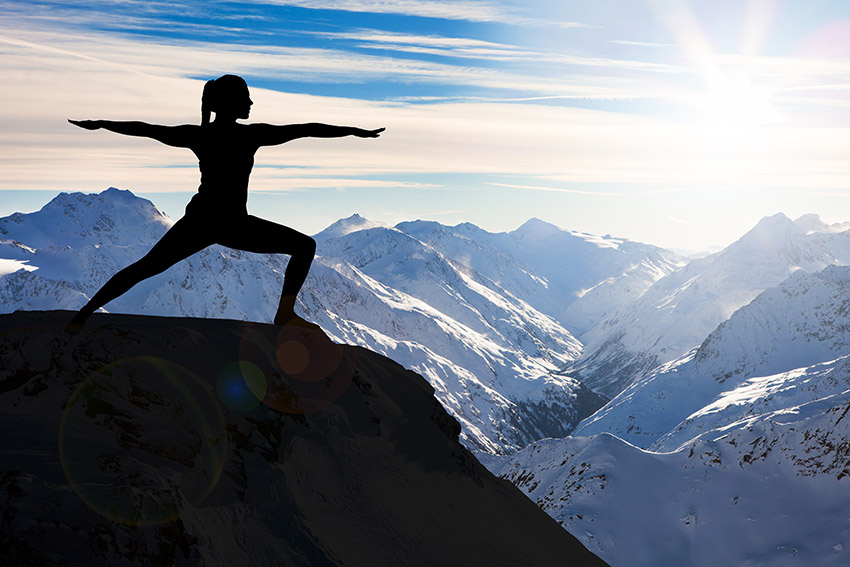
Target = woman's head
(227,95)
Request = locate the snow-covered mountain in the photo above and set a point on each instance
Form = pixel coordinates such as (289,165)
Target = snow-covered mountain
(810,223)
(746,443)
(679,310)
(346,226)
(769,490)
(802,322)
(575,277)
(491,356)
(729,374)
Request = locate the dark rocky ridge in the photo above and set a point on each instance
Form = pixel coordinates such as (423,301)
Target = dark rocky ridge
(362,468)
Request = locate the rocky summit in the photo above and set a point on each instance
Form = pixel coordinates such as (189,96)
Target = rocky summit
(176,441)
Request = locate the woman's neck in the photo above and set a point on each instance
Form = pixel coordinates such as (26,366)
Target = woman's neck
(224,120)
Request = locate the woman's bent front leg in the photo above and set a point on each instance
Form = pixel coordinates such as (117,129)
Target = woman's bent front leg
(265,237)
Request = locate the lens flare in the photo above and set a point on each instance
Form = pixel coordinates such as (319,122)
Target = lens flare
(306,371)
(306,354)
(241,386)
(141,438)
(292,356)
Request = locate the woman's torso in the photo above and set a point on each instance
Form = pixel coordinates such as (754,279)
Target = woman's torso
(225,156)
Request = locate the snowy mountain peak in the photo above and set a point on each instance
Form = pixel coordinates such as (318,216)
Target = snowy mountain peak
(465,226)
(778,238)
(112,198)
(772,228)
(537,227)
(811,222)
(113,216)
(417,227)
(347,225)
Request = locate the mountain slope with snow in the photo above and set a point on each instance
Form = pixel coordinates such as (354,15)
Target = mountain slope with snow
(746,445)
(679,310)
(762,397)
(803,321)
(574,277)
(769,491)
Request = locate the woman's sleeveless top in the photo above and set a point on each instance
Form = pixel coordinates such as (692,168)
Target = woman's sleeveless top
(225,159)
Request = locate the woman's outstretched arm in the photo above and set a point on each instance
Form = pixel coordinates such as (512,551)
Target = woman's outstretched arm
(271,135)
(178,136)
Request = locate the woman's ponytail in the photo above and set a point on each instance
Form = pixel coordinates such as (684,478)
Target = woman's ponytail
(207,102)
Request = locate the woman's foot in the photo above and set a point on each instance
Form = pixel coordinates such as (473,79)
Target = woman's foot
(286,315)
(293,320)
(79,321)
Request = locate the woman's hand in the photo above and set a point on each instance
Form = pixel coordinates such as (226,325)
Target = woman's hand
(360,133)
(87,124)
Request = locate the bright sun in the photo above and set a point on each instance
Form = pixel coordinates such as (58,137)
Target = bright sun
(735,108)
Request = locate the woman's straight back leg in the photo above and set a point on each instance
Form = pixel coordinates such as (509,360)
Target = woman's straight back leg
(186,237)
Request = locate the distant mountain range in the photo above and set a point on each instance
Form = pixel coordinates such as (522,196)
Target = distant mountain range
(482,316)
(491,319)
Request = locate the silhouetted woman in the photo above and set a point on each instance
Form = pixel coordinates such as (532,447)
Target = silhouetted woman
(218,214)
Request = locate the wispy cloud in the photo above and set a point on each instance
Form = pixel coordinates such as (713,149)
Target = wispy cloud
(557,189)
(269,180)
(514,13)
(181,58)
(641,43)
(434,45)
(478,11)
(486,50)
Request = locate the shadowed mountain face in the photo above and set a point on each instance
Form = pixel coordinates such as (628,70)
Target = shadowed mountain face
(151,441)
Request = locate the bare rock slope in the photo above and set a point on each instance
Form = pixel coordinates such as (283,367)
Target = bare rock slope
(175,441)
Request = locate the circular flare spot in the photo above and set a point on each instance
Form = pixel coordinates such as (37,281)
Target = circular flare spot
(241,386)
(293,357)
(305,370)
(315,356)
(141,437)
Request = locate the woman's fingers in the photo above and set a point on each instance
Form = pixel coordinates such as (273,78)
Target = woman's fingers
(87,124)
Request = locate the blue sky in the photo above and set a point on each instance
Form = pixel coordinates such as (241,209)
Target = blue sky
(671,122)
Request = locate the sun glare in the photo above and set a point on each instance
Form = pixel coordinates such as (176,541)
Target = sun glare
(736,106)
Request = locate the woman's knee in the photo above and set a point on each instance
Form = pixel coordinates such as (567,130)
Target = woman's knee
(303,250)
(304,246)
(310,246)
